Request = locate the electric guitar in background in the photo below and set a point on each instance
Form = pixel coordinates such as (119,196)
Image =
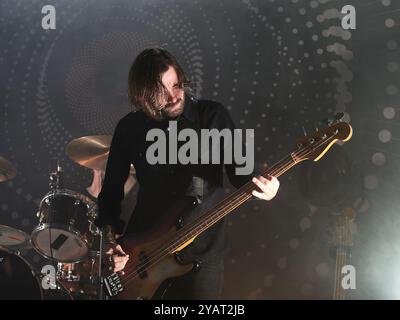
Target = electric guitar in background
(155,258)
(342,242)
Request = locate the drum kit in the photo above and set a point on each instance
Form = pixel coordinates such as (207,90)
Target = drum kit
(65,235)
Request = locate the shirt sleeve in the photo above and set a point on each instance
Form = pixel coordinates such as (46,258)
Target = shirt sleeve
(117,171)
(237,180)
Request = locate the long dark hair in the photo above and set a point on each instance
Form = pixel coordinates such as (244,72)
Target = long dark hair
(144,82)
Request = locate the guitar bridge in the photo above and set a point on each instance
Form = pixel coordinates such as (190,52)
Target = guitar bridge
(113,285)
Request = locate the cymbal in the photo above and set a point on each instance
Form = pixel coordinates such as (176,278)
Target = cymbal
(7,171)
(91,152)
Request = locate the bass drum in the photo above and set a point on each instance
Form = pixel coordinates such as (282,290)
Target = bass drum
(18,281)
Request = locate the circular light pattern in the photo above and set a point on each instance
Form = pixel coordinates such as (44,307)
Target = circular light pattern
(385,136)
(89,84)
(389,112)
(389,23)
(378,159)
(54,134)
(380,181)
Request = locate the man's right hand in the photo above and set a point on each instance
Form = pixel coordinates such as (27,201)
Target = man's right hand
(116,258)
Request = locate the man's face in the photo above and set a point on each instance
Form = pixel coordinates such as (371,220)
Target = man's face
(174,98)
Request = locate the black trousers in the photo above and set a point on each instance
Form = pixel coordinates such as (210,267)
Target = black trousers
(205,283)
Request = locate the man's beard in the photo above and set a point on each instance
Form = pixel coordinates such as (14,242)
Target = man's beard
(171,111)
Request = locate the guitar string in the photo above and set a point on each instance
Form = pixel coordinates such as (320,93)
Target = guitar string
(337,260)
(154,257)
(346,241)
(341,260)
(190,227)
(335,289)
(242,195)
(341,257)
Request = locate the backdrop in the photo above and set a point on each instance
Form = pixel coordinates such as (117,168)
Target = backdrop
(277,66)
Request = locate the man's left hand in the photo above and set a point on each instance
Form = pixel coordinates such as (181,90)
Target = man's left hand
(268,186)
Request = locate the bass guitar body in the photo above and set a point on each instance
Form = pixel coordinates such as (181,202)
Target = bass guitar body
(144,283)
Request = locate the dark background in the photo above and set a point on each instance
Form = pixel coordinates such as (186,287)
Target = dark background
(277,66)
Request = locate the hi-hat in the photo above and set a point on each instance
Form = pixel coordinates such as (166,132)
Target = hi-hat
(7,171)
(91,152)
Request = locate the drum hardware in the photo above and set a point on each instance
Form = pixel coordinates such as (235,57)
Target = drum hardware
(92,278)
(56,178)
(83,279)
(66,234)
(67,272)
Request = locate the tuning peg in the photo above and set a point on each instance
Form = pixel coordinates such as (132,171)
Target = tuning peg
(336,119)
(339,116)
(319,124)
(328,121)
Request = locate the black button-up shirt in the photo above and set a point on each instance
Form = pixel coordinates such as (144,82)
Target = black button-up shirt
(160,185)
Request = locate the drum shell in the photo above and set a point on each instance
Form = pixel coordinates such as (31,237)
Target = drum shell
(65,208)
(69,213)
(18,281)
